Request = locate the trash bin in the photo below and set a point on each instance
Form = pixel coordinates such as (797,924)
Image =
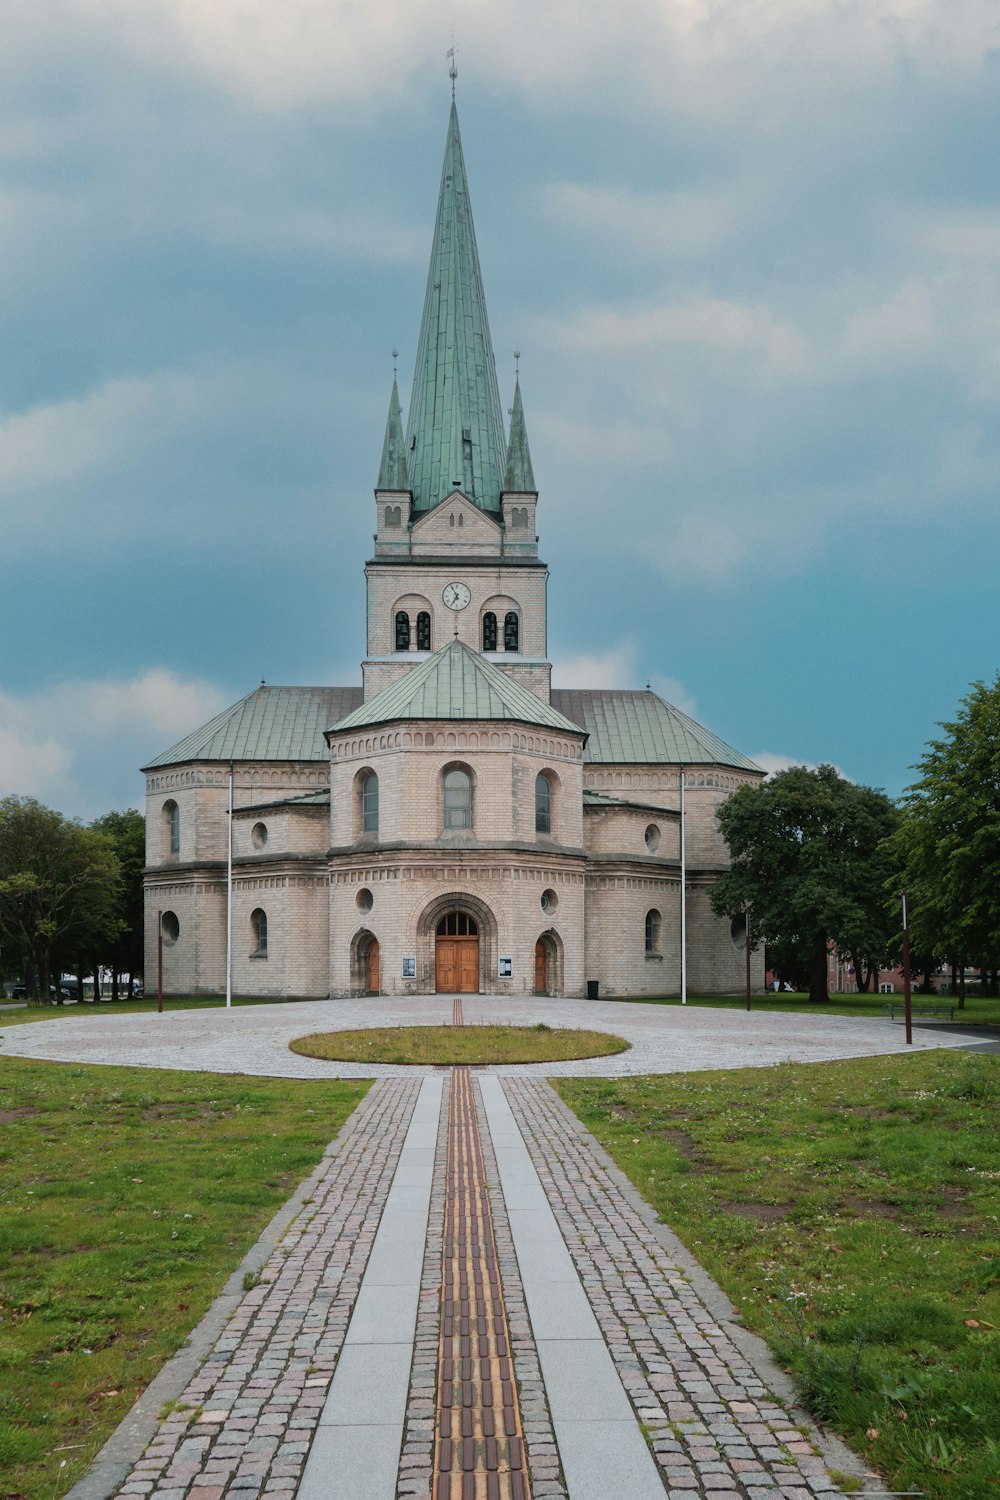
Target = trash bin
(593,985)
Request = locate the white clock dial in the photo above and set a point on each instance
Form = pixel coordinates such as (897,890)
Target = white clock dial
(456,595)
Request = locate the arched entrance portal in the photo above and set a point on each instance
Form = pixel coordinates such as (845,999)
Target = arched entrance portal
(548,965)
(456,954)
(365,964)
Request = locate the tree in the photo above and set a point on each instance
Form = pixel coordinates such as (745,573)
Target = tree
(59,887)
(127,831)
(810,861)
(948,843)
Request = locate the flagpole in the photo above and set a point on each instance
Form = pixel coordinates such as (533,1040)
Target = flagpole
(229,900)
(684,990)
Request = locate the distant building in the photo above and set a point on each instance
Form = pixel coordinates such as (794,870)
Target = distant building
(452,822)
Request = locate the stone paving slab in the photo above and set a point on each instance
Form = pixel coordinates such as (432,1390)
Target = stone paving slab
(664,1039)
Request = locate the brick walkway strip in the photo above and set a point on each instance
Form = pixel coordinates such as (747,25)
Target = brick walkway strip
(479,1445)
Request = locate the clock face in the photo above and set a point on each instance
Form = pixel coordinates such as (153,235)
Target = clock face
(456,595)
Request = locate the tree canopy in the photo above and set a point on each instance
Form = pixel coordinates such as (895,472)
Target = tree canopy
(948,843)
(810,864)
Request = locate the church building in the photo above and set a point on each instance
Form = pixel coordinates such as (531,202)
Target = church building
(453,822)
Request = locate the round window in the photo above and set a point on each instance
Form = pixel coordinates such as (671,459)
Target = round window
(258,835)
(365,900)
(549,901)
(170,927)
(652,838)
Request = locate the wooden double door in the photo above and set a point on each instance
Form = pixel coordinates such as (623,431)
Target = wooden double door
(456,954)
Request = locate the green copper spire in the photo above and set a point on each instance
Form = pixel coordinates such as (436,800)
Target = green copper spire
(454,439)
(392,469)
(519,478)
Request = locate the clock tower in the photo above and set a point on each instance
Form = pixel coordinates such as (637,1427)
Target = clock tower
(456,554)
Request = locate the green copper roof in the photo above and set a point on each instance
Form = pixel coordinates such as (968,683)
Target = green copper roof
(454,438)
(640,728)
(272,723)
(392,469)
(455,683)
(519,477)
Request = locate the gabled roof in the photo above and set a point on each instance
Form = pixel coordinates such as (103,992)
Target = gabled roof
(628,727)
(271,723)
(454,437)
(455,683)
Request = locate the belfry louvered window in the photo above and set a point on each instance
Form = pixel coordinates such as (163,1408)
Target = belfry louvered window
(423,631)
(489,631)
(402,631)
(510,631)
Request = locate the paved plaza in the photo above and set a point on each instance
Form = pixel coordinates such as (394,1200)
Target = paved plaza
(465,1300)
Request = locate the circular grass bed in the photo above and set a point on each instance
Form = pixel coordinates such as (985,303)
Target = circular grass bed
(446,1046)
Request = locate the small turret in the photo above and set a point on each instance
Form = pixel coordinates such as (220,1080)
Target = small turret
(519,478)
(392,469)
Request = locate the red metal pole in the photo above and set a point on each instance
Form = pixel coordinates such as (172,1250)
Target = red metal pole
(906,970)
(159,961)
(748,957)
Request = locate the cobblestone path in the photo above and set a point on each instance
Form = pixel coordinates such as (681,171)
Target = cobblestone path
(245,1422)
(711,1425)
(471,1308)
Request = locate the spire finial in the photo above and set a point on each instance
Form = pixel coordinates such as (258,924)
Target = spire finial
(395,356)
(517,363)
(452,65)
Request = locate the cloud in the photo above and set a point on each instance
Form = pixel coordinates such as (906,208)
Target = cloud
(78,745)
(651,224)
(280,56)
(614,668)
(712,323)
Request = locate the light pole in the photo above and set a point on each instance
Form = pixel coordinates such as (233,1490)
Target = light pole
(229,899)
(906,969)
(684,976)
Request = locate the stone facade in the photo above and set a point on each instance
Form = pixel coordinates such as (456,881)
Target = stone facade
(454,822)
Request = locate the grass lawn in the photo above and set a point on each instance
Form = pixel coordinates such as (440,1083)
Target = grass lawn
(978,1011)
(128,1198)
(79,1009)
(851,1211)
(446,1045)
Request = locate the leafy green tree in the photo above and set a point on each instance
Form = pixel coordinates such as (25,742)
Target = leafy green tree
(127,831)
(59,889)
(948,843)
(810,861)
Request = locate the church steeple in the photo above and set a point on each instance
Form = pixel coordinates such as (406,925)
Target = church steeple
(454,437)
(519,477)
(392,469)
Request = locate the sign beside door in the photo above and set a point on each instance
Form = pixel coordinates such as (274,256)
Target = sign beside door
(505,968)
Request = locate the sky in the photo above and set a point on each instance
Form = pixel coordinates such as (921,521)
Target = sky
(749,253)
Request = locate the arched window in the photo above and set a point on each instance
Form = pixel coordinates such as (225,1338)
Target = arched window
(258,925)
(393,515)
(519,516)
(171,828)
(457,924)
(543,804)
(423,631)
(457,799)
(489,631)
(170,928)
(369,803)
(654,926)
(402,631)
(510,632)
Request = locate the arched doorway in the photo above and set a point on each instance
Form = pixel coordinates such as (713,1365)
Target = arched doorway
(456,954)
(548,964)
(366,965)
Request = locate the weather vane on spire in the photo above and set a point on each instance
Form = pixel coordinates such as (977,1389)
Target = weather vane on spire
(517,363)
(395,356)
(452,65)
